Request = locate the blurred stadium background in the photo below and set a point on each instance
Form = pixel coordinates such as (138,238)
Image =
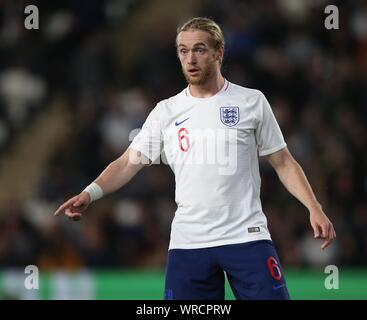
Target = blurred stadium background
(71,92)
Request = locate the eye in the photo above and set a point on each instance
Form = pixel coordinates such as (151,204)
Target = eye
(183,51)
(200,50)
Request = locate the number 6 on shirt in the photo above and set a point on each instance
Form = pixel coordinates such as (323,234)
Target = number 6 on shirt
(274,268)
(182,136)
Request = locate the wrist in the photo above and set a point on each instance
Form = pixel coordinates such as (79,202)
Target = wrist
(95,191)
(316,206)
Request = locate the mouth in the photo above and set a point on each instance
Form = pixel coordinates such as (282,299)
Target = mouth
(193,71)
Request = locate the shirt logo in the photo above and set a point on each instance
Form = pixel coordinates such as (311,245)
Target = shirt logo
(230,115)
(253,229)
(178,123)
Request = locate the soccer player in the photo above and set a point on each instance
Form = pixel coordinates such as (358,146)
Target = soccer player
(219,225)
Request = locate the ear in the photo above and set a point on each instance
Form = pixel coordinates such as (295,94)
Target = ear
(220,54)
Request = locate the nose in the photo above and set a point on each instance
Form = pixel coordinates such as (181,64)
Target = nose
(191,58)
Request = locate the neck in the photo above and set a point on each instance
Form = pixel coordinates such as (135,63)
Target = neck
(208,89)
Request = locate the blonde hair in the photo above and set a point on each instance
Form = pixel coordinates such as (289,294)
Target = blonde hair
(204,24)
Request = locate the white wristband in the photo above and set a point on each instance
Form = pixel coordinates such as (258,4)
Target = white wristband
(95,191)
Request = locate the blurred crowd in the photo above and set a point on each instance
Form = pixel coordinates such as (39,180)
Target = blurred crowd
(315,80)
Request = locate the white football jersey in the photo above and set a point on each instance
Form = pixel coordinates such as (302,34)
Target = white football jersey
(212,146)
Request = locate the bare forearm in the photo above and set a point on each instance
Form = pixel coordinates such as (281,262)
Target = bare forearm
(117,174)
(294,179)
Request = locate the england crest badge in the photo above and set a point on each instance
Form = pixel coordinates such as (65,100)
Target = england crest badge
(230,115)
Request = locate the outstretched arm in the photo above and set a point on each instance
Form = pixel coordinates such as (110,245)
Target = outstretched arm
(293,178)
(117,174)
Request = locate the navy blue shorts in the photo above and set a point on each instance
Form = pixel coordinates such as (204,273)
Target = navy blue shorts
(252,268)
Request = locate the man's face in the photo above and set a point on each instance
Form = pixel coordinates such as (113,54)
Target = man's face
(198,59)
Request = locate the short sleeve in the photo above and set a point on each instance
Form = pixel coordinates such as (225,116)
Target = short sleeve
(149,140)
(269,137)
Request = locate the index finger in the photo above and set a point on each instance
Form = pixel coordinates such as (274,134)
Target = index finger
(325,231)
(329,239)
(326,243)
(65,205)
